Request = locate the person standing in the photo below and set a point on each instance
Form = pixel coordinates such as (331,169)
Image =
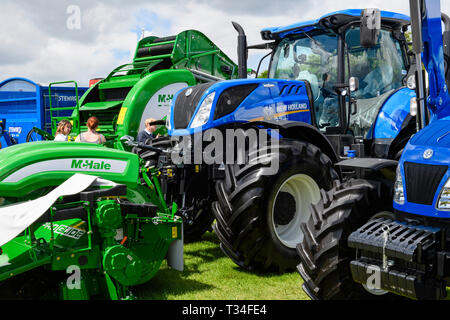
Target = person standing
(63,131)
(91,136)
(143,136)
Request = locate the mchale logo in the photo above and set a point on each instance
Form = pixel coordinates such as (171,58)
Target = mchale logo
(90,165)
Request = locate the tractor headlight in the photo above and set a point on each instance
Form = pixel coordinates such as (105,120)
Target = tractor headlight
(411,82)
(444,197)
(399,192)
(204,112)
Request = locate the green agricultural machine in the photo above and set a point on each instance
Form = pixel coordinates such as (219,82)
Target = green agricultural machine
(83,221)
(80,221)
(145,87)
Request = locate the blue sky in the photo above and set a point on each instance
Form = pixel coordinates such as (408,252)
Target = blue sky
(149,21)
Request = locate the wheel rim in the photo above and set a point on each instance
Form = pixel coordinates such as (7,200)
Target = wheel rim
(301,190)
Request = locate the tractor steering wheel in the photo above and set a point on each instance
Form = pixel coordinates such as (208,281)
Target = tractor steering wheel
(327,93)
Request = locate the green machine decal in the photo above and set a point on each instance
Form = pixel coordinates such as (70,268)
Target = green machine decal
(158,107)
(76,165)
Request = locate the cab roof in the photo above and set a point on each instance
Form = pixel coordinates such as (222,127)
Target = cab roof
(331,21)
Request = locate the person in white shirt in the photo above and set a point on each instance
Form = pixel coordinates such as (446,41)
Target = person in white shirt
(63,130)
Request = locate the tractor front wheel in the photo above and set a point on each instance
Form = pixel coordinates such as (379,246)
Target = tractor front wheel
(259,211)
(324,253)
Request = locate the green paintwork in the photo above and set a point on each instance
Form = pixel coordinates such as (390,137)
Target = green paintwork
(56,119)
(138,97)
(109,262)
(128,88)
(19,157)
(109,265)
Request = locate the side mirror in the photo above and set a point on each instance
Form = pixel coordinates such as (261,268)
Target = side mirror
(370,27)
(353,84)
(416,26)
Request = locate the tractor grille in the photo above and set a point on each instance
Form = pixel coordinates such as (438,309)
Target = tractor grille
(185,106)
(422,181)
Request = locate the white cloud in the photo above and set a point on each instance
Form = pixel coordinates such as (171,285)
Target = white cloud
(36,43)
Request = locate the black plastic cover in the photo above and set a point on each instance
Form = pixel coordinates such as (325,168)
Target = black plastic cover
(231,98)
(185,106)
(146,210)
(155,51)
(422,182)
(116,94)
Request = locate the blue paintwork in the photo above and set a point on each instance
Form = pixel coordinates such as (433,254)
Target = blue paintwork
(435,136)
(392,114)
(312,24)
(24,104)
(265,102)
(439,99)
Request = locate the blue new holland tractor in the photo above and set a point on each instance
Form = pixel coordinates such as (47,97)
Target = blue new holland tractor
(357,245)
(336,83)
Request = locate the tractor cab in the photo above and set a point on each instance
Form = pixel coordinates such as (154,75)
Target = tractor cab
(328,54)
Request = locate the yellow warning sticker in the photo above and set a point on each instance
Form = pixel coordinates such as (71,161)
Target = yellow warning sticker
(174,232)
(122,114)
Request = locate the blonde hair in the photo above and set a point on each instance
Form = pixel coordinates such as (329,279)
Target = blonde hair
(149,120)
(61,125)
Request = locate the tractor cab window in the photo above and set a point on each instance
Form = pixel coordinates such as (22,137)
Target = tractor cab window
(380,71)
(312,57)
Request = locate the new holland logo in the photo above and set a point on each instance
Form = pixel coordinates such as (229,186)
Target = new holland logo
(428,154)
(269,113)
(90,165)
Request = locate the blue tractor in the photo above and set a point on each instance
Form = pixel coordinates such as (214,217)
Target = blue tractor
(359,245)
(336,83)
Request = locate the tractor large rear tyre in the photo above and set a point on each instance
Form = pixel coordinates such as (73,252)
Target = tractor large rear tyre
(258,212)
(324,253)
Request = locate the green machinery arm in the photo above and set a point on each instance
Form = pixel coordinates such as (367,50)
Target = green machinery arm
(145,87)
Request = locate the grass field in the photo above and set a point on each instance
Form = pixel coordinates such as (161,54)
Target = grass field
(210,275)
